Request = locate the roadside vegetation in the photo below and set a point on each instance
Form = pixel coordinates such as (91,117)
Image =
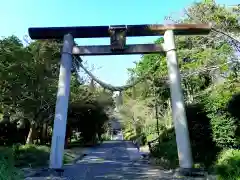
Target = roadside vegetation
(211,85)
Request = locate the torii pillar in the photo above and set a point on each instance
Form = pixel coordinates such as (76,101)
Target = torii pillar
(61,110)
(178,107)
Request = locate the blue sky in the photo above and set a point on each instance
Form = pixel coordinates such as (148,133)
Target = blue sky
(17,16)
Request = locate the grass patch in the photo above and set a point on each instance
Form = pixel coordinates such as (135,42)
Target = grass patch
(33,156)
(8,171)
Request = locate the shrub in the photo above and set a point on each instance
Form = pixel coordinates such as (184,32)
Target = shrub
(233,106)
(105,137)
(200,133)
(224,130)
(32,155)
(8,171)
(228,165)
(143,139)
(220,107)
(128,134)
(167,153)
(10,133)
(213,125)
(200,136)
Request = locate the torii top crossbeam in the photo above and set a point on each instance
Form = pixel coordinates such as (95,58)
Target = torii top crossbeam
(131,30)
(118,35)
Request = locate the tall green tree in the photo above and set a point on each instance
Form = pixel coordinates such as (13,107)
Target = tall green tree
(203,60)
(28,80)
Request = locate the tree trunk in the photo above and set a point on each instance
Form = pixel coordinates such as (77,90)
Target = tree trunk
(191,93)
(31,134)
(68,131)
(66,141)
(92,86)
(44,133)
(134,92)
(134,124)
(169,121)
(156,116)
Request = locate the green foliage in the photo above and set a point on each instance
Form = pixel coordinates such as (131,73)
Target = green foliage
(201,132)
(28,76)
(233,105)
(19,156)
(219,96)
(28,156)
(224,126)
(228,165)
(105,137)
(89,115)
(166,150)
(211,89)
(8,171)
(7,128)
(32,156)
(224,129)
(210,125)
(29,79)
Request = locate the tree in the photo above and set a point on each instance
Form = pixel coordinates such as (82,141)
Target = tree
(29,79)
(203,60)
(88,111)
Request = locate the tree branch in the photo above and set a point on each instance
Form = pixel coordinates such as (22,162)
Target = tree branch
(214,29)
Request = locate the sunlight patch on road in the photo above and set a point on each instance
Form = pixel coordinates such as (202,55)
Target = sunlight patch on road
(92,159)
(110,176)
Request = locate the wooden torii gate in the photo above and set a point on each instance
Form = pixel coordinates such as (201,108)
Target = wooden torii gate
(118,46)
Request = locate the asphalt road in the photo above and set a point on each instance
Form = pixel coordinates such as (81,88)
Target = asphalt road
(114,160)
(111,160)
